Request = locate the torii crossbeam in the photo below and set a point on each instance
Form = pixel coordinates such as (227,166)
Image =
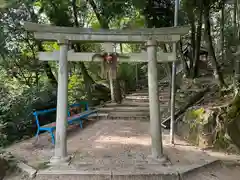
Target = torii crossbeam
(47,32)
(65,34)
(130,57)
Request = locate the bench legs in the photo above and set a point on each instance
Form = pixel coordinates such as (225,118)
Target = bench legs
(50,131)
(37,133)
(52,136)
(36,136)
(81,123)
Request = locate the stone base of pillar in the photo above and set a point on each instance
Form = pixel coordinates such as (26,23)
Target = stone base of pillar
(59,160)
(159,160)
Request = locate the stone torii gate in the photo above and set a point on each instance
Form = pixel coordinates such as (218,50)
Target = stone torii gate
(64,35)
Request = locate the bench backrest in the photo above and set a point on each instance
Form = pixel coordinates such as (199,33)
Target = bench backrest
(46,111)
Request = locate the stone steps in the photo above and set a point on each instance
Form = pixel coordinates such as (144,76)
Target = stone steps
(128,114)
(146,99)
(135,106)
(128,103)
(133,114)
(160,90)
(128,109)
(136,118)
(124,109)
(132,104)
(167,94)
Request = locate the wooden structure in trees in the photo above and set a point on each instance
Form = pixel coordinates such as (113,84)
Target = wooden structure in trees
(64,35)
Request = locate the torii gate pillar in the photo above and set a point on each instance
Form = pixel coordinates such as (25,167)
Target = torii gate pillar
(154,105)
(60,152)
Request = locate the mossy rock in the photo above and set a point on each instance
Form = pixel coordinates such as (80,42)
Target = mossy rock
(3,167)
(233,130)
(7,163)
(198,126)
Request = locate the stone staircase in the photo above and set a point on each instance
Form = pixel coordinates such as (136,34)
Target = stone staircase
(136,105)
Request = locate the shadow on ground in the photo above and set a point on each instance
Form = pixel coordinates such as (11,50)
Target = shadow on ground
(109,143)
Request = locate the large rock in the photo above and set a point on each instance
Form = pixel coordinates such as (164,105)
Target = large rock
(7,163)
(234,131)
(207,128)
(3,168)
(198,127)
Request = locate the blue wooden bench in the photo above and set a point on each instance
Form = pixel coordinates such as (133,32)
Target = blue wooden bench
(79,117)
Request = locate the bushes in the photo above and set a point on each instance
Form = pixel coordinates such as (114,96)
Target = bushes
(76,89)
(16,107)
(18,101)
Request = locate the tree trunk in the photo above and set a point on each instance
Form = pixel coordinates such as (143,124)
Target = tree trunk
(198,42)
(47,68)
(88,82)
(191,102)
(222,21)
(237,73)
(104,24)
(49,73)
(218,75)
(117,88)
(236,63)
(168,66)
(184,62)
(193,37)
(86,77)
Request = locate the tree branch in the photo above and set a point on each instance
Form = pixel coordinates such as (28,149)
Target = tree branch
(75,13)
(100,18)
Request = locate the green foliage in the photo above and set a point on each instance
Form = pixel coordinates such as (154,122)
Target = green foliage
(127,73)
(76,89)
(195,117)
(110,10)
(57,11)
(16,106)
